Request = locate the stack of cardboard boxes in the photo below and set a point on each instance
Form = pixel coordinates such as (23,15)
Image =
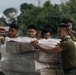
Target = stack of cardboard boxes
(23,59)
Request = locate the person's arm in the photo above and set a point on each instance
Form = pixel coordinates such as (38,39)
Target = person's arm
(46,50)
(50,51)
(2,39)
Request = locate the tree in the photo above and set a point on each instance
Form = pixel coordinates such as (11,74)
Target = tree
(68,10)
(3,21)
(25,6)
(48,16)
(11,14)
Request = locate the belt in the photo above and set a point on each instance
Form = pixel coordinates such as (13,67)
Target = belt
(69,69)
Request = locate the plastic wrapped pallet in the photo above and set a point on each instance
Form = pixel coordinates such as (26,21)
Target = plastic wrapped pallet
(23,62)
(23,65)
(26,63)
(18,62)
(7,39)
(53,59)
(26,56)
(20,46)
(18,65)
(51,72)
(44,57)
(25,44)
(20,73)
(41,65)
(49,43)
(26,47)
(12,47)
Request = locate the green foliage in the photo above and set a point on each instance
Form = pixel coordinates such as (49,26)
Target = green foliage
(3,21)
(49,16)
(69,11)
(25,6)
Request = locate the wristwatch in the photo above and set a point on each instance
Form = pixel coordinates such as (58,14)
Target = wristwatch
(37,47)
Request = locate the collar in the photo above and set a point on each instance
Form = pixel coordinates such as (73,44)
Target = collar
(65,38)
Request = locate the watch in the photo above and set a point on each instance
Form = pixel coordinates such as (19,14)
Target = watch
(37,47)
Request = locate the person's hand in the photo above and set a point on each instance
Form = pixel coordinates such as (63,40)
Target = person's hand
(2,39)
(57,44)
(34,43)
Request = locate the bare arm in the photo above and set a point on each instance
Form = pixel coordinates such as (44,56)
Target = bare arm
(46,50)
(50,51)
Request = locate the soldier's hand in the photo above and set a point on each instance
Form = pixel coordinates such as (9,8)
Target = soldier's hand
(34,43)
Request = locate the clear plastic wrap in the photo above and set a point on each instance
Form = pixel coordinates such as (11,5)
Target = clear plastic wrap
(51,72)
(20,46)
(18,65)
(28,63)
(20,73)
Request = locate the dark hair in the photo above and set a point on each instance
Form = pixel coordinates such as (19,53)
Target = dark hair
(13,25)
(44,32)
(41,29)
(32,26)
(63,25)
(66,20)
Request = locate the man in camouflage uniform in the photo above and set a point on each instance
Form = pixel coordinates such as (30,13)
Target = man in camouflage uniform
(72,33)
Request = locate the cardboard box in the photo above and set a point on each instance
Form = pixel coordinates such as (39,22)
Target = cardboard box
(26,47)
(19,56)
(18,47)
(13,47)
(53,60)
(18,65)
(51,72)
(44,57)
